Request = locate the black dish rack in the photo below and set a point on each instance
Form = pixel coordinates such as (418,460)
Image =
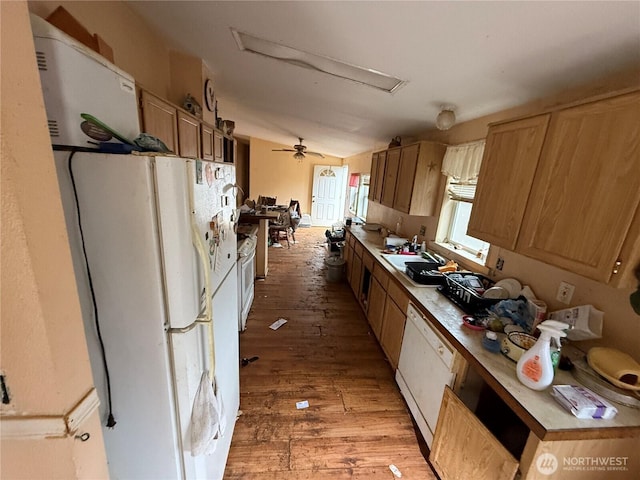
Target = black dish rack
(465,290)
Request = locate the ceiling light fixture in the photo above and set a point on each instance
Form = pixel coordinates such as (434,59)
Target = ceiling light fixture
(365,76)
(298,156)
(446,118)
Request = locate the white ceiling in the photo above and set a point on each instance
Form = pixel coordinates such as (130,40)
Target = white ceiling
(481,57)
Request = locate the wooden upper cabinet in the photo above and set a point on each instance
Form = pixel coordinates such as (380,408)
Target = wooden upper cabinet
(583,211)
(218,146)
(206,133)
(373,176)
(382,162)
(409,178)
(391,168)
(189,140)
(418,188)
(509,164)
(406,174)
(160,119)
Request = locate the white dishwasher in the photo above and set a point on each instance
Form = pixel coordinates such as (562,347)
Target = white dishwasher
(426,365)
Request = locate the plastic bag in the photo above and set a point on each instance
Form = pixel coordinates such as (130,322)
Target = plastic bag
(205,418)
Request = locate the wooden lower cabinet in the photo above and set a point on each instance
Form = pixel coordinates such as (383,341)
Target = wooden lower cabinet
(464,448)
(393,322)
(377,301)
(356,275)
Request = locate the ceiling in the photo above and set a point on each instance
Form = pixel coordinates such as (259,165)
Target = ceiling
(480,57)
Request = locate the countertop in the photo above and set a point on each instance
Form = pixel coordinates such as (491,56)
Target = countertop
(539,411)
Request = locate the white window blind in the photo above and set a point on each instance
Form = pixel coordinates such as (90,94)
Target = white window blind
(462,192)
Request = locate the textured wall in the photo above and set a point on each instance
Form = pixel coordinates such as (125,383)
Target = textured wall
(43,351)
(137,48)
(278,174)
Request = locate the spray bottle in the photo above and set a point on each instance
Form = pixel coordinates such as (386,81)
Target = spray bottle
(535,368)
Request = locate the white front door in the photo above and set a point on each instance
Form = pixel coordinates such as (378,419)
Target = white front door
(327,202)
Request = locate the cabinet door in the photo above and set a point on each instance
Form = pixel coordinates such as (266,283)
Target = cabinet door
(218,146)
(160,119)
(377,300)
(390,176)
(188,136)
(406,177)
(428,180)
(509,164)
(356,275)
(463,447)
(207,142)
(392,330)
(373,176)
(587,189)
(382,162)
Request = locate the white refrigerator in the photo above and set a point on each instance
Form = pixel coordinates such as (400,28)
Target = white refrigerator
(159,238)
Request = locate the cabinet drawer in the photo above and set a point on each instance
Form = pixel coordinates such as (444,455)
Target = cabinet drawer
(358,249)
(397,294)
(352,241)
(381,275)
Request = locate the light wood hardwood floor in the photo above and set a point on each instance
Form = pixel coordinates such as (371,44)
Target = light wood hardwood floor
(357,423)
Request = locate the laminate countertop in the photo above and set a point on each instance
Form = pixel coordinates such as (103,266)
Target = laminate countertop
(537,409)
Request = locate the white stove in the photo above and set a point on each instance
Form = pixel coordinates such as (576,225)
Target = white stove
(247,241)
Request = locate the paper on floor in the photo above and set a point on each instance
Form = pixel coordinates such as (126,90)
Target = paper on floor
(277,324)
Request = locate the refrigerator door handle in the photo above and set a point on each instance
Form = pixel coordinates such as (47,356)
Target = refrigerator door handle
(204,257)
(188,328)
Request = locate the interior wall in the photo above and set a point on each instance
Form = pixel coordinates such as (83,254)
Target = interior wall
(186,77)
(137,48)
(242,169)
(278,174)
(360,163)
(44,353)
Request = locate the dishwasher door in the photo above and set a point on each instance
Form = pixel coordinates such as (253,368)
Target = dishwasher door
(424,369)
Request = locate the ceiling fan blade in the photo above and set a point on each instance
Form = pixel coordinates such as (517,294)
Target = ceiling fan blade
(315,153)
(283,150)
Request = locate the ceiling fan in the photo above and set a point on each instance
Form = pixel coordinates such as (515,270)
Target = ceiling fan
(300,151)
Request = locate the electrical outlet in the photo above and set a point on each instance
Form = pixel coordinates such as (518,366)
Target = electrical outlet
(500,263)
(565,292)
(423,230)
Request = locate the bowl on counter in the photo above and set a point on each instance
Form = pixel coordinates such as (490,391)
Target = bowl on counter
(515,344)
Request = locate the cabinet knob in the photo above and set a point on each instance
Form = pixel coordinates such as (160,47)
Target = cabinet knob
(616,267)
(440,349)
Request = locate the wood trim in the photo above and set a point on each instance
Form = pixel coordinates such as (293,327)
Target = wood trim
(49,426)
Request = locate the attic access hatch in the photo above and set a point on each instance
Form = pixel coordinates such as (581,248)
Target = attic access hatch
(365,76)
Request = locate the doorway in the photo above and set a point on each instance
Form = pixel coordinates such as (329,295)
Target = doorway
(327,200)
